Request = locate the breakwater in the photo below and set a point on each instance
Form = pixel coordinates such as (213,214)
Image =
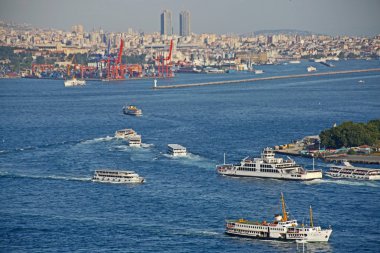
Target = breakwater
(266,78)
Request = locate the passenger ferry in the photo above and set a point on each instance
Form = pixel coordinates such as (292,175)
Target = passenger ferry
(135,141)
(268,167)
(176,150)
(132,110)
(126,133)
(116,176)
(350,172)
(280,229)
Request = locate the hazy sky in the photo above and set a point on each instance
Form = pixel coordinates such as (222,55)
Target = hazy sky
(333,17)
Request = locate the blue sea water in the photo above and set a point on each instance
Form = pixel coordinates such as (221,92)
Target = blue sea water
(52,139)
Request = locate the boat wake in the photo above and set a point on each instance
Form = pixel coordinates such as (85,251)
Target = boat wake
(97,140)
(192,160)
(198,232)
(43,146)
(52,177)
(147,145)
(127,148)
(343,182)
(57,144)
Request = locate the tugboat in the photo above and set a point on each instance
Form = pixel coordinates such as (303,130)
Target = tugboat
(280,229)
(132,110)
(268,167)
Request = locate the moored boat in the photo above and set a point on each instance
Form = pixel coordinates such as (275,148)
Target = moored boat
(281,228)
(347,171)
(116,176)
(267,166)
(311,69)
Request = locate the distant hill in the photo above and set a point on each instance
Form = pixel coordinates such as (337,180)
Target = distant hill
(279,31)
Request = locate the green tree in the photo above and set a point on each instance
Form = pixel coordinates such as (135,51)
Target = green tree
(350,134)
(40,60)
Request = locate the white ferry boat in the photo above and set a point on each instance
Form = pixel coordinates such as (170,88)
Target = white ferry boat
(74,82)
(132,110)
(268,167)
(135,141)
(350,172)
(311,69)
(176,150)
(126,133)
(280,229)
(116,176)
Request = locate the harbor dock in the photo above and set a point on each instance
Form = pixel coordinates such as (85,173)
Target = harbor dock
(364,159)
(265,78)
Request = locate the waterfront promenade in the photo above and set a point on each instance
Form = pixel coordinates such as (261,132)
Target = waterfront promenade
(266,78)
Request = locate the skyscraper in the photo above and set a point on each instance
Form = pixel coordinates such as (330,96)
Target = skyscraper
(184,23)
(166,23)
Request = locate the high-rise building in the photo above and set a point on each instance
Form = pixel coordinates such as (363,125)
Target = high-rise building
(77,28)
(184,23)
(166,23)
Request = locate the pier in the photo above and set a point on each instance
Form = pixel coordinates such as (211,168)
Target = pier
(265,78)
(364,159)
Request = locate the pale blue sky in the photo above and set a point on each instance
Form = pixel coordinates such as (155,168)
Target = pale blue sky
(333,17)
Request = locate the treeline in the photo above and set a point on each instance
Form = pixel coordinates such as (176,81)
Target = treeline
(134,59)
(17,61)
(350,134)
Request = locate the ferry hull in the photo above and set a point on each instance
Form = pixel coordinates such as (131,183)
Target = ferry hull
(309,176)
(340,176)
(317,236)
(134,181)
(268,166)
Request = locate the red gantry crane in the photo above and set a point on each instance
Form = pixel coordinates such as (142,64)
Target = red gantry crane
(164,65)
(115,69)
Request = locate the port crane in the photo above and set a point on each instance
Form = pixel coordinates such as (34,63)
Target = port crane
(115,69)
(73,61)
(164,64)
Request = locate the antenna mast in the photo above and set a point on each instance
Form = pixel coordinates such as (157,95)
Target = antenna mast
(284,214)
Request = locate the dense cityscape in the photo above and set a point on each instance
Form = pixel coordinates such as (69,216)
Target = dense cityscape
(23,45)
(189,126)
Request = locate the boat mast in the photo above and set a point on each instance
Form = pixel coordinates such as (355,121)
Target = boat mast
(311,217)
(284,214)
(224,159)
